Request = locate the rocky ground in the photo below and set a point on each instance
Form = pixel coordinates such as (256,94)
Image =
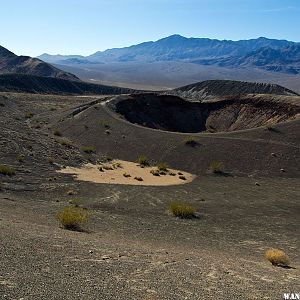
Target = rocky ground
(133,248)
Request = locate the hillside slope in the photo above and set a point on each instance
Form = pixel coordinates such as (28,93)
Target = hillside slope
(11,63)
(210,89)
(48,85)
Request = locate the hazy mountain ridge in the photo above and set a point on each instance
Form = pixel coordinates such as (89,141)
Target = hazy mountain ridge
(177,48)
(286,60)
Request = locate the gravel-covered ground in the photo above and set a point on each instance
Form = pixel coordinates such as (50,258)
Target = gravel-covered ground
(132,247)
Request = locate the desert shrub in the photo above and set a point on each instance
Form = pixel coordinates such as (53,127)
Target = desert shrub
(139,178)
(277,257)
(76,202)
(272,129)
(104,124)
(7,170)
(50,160)
(107,132)
(216,167)
(88,149)
(182,177)
(21,158)
(71,192)
(107,167)
(108,158)
(191,141)
(126,175)
(172,174)
(65,142)
(143,161)
(182,210)
(117,165)
(155,172)
(72,217)
(29,115)
(162,167)
(101,169)
(57,132)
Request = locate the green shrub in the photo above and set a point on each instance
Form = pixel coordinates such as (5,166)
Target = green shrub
(50,160)
(6,170)
(117,165)
(272,129)
(155,172)
(143,161)
(182,210)
(65,142)
(76,202)
(21,158)
(108,167)
(29,115)
(104,124)
(216,167)
(162,167)
(191,141)
(72,217)
(57,132)
(139,178)
(108,158)
(89,149)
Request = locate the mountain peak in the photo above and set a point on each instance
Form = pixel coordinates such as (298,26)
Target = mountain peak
(173,37)
(4,53)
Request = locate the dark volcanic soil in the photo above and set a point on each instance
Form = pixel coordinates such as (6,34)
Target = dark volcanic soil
(132,247)
(212,89)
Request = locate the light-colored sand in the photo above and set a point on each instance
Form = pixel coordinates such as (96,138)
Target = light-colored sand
(91,173)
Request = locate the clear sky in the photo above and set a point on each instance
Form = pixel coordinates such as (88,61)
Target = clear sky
(32,27)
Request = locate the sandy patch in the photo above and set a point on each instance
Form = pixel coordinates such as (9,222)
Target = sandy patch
(125,172)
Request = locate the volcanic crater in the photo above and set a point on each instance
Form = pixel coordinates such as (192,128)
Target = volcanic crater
(172,113)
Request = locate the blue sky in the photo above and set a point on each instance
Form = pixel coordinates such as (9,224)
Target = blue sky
(32,27)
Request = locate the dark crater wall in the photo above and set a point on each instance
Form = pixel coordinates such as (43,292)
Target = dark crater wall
(172,113)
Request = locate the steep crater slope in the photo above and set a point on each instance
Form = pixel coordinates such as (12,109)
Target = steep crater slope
(172,113)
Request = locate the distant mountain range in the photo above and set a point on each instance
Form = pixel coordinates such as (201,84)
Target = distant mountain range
(268,54)
(11,63)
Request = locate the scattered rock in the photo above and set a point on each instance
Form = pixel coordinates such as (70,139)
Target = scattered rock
(256,183)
